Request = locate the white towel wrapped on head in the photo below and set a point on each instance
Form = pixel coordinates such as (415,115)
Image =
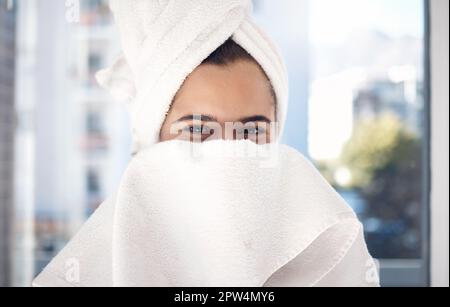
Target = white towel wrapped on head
(163,41)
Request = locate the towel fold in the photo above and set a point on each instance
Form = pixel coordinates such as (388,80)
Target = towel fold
(221,213)
(163,41)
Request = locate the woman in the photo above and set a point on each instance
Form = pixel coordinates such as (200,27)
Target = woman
(228,87)
(210,198)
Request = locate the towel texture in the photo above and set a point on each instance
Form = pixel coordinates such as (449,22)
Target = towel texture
(163,41)
(221,213)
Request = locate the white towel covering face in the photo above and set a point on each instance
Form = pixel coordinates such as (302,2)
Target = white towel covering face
(220,213)
(163,41)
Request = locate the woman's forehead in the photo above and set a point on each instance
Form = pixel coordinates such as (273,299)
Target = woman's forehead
(234,89)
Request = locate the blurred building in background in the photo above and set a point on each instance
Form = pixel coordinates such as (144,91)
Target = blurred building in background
(399,92)
(89,128)
(366,132)
(103,140)
(7,131)
(76,137)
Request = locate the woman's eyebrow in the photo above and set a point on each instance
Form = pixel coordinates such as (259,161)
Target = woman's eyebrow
(205,118)
(209,118)
(255,118)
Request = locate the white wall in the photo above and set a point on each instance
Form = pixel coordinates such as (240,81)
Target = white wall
(440,142)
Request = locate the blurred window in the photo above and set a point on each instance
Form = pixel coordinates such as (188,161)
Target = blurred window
(358,109)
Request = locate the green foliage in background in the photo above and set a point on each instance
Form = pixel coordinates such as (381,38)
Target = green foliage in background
(384,159)
(377,146)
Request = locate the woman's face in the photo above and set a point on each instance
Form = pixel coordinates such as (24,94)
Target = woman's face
(223,102)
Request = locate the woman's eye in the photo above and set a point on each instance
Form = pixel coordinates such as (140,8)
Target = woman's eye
(197,130)
(254,131)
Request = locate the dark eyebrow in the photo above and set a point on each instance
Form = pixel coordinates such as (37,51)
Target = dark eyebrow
(209,118)
(256,118)
(204,118)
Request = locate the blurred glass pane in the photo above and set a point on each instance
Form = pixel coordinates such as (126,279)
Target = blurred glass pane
(366,114)
(7,127)
(78,137)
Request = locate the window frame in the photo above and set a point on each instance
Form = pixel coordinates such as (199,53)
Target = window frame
(439,100)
